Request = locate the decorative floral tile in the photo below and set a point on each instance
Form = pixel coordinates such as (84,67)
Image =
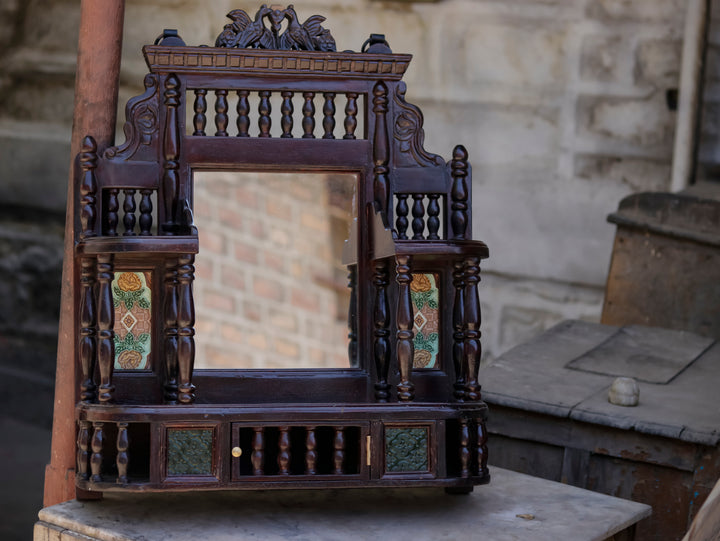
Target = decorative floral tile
(426,307)
(132,297)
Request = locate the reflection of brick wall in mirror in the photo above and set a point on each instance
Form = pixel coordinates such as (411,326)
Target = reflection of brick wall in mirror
(270,289)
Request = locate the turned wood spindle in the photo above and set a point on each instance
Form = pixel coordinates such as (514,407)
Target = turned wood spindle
(351,111)
(243,113)
(88,187)
(352,317)
(122,460)
(146,208)
(402,210)
(308,111)
(264,108)
(381,148)
(381,322)
(83,450)
(458,351)
(171,153)
(482,449)
(472,348)
(96,458)
(459,194)
(200,107)
(310,452)
(129,208)
(339,451)
(221,113)
(287,109)
(186,329)
(170,311)
(258,451)
(329,115)
(405,349)
(87,346)
(113,206)
(464,449)
(433,212)
(106,322)
(418,212)
(284,450)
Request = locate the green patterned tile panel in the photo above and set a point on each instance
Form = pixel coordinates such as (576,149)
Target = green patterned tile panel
(189,452)
(406,449)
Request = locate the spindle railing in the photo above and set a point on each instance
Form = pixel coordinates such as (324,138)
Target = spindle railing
(239,103)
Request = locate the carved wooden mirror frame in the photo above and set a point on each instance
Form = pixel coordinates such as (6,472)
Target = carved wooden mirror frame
(170,427)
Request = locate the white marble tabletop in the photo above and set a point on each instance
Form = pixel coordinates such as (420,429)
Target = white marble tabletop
(513,507)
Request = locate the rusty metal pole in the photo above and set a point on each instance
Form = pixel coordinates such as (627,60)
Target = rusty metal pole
(96,94)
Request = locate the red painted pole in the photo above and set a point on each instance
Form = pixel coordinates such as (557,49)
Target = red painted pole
(96,91)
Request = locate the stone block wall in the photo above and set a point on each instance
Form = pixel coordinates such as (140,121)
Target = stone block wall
(561,104)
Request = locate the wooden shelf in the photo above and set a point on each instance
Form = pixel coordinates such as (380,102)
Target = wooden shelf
(138,244)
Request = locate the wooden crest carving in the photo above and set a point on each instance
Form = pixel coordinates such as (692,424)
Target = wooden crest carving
(244,32)
(141,121)
(408,132)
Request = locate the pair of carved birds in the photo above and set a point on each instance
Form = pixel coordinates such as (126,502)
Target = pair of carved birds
(244,32)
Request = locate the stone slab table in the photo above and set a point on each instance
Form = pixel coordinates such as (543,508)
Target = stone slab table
(513,507)
(550,416)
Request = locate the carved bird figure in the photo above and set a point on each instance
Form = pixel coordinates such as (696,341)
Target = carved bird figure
(298,36)
(244,32)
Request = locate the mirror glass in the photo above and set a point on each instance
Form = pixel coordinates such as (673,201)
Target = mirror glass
(270,288)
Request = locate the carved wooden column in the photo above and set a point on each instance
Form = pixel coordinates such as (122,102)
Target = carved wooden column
(464,448)
(351,111)
(221,113)
(482,450)
(381,149)
(87,345)
(339,452)
(243,114)
(112,208)
(458,349)
(459,194)
(308,111)
(200,107)
(83,449)
(405,348)
(329,115)
(186,329)
(286,121)
(122,460)
(284,450)
(258,451)
(96,459)
(264,109)
(170,315)
(171,152)
(472,348)
(310,451)
(88,187)
(106,323)
(381,321)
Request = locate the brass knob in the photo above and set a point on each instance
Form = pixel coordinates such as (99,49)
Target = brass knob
(236,452)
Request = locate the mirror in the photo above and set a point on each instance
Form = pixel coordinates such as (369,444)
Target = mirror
(270,289)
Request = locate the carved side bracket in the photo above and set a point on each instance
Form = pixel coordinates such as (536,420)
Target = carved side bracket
(408,133)
(141,121)
(244,32)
